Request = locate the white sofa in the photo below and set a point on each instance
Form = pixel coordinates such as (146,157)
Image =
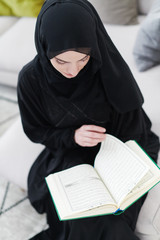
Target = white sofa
(16,46)
(16,49)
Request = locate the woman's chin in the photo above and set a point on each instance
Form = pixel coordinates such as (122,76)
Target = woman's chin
(67,75)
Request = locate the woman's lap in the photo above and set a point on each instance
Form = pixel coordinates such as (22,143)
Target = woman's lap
(110,227)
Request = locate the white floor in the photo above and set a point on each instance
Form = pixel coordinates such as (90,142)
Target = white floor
(18,220)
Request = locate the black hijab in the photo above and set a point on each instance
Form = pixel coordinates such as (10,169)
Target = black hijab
(64,25)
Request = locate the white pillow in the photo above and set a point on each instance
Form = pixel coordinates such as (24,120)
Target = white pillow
(146,50)
(17,45)
(144,6)
(119,12)
(6,22)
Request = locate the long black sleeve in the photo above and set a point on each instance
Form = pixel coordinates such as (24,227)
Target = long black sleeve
(35,120)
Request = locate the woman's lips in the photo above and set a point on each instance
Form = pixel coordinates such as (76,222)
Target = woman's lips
(69,75)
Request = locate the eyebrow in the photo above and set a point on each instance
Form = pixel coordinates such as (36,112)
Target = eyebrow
(69,62)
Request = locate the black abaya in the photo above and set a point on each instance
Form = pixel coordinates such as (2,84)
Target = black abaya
(61,152)
(52,107)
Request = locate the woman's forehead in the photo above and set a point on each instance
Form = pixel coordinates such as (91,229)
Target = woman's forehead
(71,55)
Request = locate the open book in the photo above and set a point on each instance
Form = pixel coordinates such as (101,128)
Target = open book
(122,173)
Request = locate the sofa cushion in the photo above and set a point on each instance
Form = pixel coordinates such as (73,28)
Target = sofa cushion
(17,152)
(122,12)
(144,6)
(6,22)
(148,227)
(20,7)
(147,45)
(17,45)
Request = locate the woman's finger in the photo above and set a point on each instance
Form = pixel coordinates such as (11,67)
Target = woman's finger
(93,128)
(94,135)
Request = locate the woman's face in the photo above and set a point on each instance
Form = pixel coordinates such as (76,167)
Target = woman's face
(70,63)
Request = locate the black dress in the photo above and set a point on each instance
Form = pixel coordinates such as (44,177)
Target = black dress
(39,111)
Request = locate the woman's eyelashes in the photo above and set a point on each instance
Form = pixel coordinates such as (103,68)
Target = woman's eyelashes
(61,62)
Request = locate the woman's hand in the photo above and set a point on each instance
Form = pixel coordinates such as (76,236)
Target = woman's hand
(89,135)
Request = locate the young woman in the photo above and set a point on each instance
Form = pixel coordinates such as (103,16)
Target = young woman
(74,91)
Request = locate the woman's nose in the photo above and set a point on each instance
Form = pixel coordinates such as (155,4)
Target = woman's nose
(73,69)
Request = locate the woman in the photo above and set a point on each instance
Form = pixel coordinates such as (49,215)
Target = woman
(77,88)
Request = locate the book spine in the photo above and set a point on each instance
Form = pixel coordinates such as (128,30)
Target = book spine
(118,212)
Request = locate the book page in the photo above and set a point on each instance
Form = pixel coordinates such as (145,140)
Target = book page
(119,167)
(143,187)
(148,181)
(141,184)
(83,188)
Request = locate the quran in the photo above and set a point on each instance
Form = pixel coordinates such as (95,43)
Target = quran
(122,173)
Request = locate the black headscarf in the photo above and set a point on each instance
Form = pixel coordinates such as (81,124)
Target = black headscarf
(64,25)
